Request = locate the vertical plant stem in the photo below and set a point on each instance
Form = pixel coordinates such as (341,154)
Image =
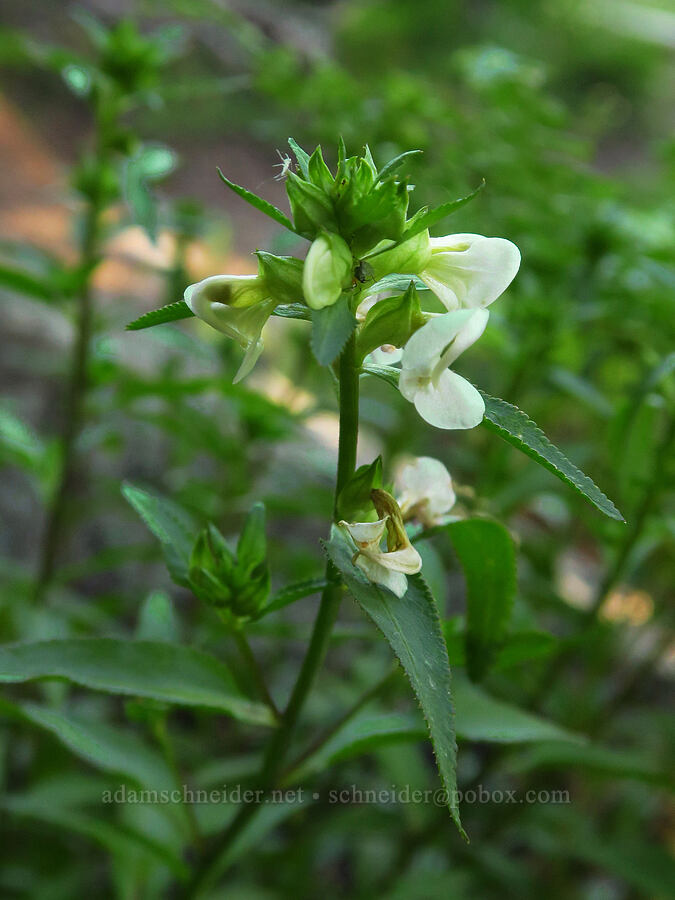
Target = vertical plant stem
(277,749)
(74,406)
(251,662)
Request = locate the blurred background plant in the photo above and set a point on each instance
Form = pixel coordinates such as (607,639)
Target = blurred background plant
(115,117)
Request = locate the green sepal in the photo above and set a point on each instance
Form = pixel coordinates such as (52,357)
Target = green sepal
(282,275)
(312,209)
(390,321)
(319,173)
(354,502)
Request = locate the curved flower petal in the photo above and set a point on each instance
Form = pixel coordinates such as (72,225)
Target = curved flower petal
(425,348)
(424,489)
(469,270)
(366,533)
(451,403)
(231,290)
(405,560)
(243,323)
(396,582)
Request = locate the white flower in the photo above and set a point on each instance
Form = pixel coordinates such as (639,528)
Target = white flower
(465,271)
(424,491)
(237,305)
(327,270)
(469,270)
(442,397)
(389,567)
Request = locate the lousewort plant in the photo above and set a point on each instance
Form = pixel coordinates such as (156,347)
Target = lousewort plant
(381,299)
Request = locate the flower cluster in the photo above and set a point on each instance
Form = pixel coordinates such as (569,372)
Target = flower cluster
(375,275)
(362,247)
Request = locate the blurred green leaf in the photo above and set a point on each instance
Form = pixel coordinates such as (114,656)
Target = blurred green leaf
(108,747)
(170,673)
(173,526)
(486,553)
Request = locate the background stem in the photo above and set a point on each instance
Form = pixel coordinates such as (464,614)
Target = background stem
(74,408)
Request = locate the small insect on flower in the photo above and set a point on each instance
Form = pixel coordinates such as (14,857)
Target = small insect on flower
(285,166)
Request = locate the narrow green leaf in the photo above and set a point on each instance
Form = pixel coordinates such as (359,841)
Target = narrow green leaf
(293,311)
(523,646)
(172,312)
(412,627)
(427,218)
(485,551)
(481,717)
(513,425)
(395,283)
(395,164)
(172,525)
(109,748)
(120,840)
(293,592)
(301,155)
(478,717)
(606,761)
(332,327)
(24,283)
(385,373)
(262,205)
(157,619)
(170,673)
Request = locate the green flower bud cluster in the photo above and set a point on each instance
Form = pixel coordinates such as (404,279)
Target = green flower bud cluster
(236,584)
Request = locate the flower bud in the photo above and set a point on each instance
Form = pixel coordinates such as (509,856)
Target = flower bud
(312,209)
(236,585)
(327,271)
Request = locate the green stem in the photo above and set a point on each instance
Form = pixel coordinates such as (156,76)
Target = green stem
(216,860)
(324,737)
(74,408)
(251,663)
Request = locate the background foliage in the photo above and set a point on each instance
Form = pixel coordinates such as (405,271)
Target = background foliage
(113,207)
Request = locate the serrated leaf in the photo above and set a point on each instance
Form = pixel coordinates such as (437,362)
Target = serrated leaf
(167,672)
(332,327)
(514,426)
(486,553)
(171,524)
(426,218)
(172,312)
(395,164)
(412,626)
(262,205)
(292,593)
